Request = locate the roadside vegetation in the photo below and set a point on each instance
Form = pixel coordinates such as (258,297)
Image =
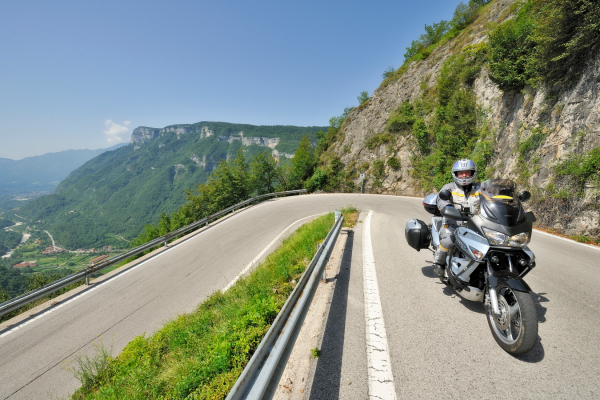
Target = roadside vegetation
(201,354)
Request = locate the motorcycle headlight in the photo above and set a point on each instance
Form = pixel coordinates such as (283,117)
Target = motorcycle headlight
(495,237)
(500,239)
(519,240)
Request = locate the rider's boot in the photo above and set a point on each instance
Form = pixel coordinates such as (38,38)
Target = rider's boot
(438,269)
(439,262)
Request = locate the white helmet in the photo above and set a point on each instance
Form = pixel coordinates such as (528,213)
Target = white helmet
(464,165)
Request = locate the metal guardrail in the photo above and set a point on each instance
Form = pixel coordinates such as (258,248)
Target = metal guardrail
(20,301)
(256,377)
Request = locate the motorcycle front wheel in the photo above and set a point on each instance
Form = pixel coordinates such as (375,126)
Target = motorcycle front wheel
(516,327)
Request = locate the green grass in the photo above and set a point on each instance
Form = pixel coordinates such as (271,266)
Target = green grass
(201,354)
(315,353)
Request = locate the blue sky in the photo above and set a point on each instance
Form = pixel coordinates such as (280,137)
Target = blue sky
(84,74)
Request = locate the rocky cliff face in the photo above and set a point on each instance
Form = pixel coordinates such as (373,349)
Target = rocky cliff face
(142,134)
(568,125)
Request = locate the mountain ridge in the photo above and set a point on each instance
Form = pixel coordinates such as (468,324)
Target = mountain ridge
(43,172)
(119,192)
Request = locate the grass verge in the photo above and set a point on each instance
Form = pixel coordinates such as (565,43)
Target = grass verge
(200,355)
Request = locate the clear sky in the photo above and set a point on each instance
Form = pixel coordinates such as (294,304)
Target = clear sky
(83,74)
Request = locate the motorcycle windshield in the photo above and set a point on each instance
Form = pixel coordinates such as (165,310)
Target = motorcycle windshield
(499,202)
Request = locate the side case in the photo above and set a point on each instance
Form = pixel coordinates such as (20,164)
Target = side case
(417,234)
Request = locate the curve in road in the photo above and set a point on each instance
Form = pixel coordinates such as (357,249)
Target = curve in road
(439,344)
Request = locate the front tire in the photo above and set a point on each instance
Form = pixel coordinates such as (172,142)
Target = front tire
(515,329)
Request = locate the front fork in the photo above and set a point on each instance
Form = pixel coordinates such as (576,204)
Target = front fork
(492,298)
(508,278)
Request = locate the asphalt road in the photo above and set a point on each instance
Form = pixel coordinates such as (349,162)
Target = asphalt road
(439,345)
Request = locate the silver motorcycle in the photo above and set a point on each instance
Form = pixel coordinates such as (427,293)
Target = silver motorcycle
(490,258)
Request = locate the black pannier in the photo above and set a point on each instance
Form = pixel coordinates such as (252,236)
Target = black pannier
(417,234)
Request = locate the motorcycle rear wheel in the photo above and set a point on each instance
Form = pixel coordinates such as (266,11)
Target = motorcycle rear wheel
(515,329)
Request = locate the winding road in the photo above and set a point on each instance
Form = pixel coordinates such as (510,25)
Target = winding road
(438,345)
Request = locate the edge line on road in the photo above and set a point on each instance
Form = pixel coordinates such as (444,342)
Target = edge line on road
(567,240)
(380,376)
(255,260)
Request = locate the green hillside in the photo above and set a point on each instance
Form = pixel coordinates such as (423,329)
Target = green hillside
(120,191)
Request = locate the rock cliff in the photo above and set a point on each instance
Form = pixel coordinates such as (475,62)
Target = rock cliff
(568,125)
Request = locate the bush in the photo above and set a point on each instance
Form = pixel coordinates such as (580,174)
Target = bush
(388,73)
(364,96)
(466,14)
(568,35)
(549,41)
(512,52)
(402,119)
(393,163)
(378,139)
(437,33)
(378,169)
(532,143)
(318,180)
(454,119)
(579,169)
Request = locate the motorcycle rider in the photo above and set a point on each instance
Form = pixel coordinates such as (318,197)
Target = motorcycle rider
(465,193)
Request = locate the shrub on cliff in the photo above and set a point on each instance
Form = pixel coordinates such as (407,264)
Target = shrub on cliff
(512,48)
(568,35)
(549,41)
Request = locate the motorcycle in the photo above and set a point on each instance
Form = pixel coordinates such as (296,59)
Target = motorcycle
(490,258)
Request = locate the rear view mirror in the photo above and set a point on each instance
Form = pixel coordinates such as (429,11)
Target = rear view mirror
(530,217)
(524,195)
(445,195)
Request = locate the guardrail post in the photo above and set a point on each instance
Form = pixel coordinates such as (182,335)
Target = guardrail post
(87,280)
(323,276)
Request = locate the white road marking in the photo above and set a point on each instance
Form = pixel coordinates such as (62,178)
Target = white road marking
(381,379)
(568,240)
(255,260)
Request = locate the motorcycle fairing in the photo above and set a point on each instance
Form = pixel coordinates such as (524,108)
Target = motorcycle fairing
(513,281)
(466,240)
(476,222)
(436,225)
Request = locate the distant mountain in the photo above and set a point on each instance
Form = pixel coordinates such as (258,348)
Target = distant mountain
(120,191)
(42,173)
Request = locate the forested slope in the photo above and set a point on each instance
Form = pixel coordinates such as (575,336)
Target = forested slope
(120,191)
